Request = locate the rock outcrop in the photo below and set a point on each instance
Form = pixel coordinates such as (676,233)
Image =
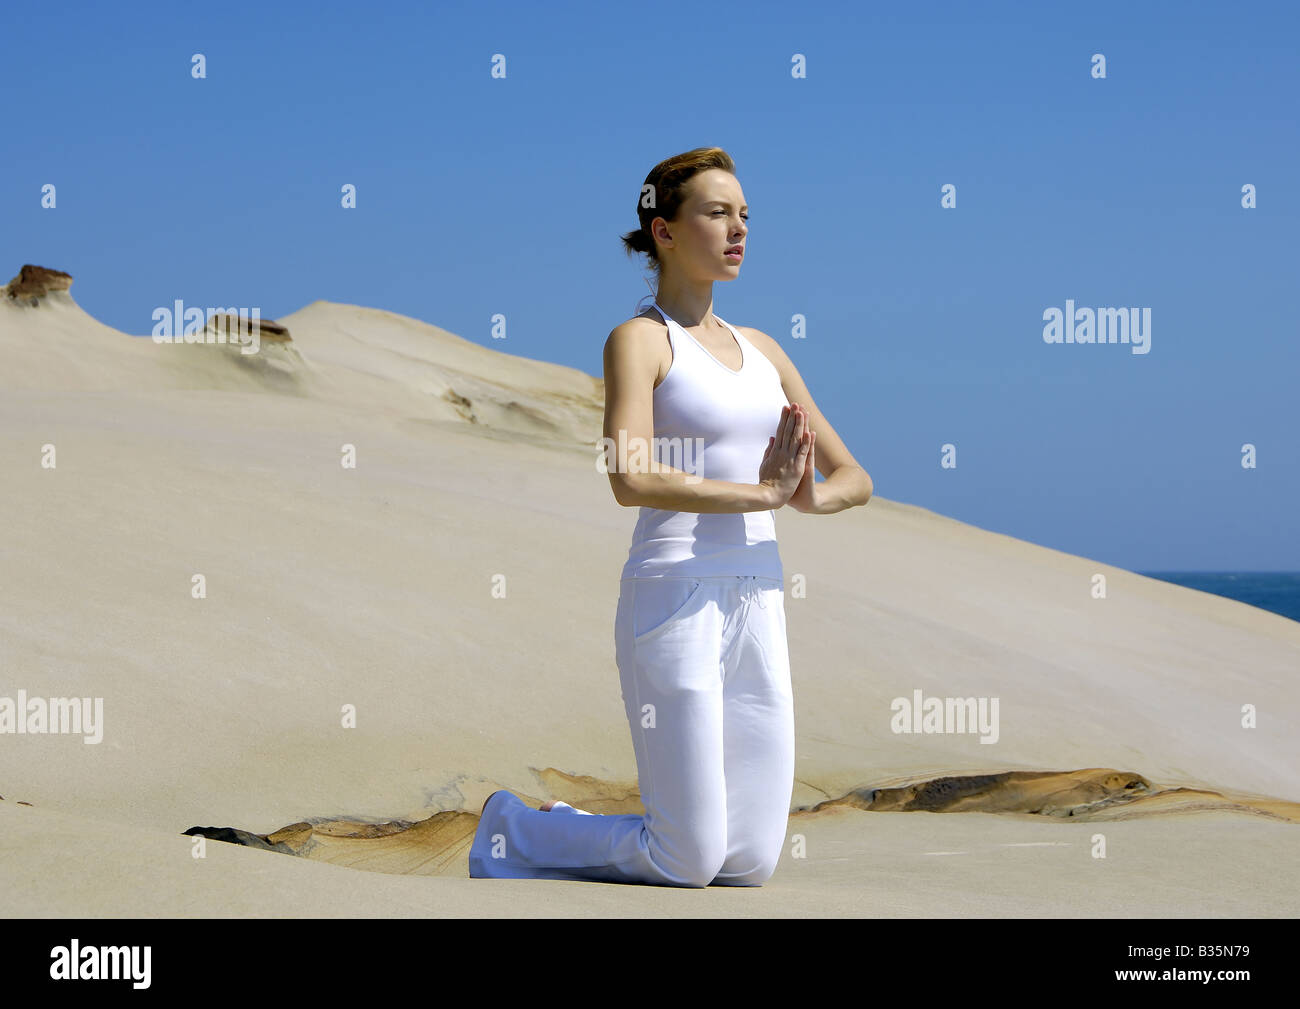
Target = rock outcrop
(232,324)
(34,282)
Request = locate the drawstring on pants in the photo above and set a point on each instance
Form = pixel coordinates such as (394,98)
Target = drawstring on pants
(751,590)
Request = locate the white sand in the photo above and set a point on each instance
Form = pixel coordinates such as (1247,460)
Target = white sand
(372,587)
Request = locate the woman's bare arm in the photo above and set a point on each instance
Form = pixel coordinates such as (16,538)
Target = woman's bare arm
(847,483)
(631,367)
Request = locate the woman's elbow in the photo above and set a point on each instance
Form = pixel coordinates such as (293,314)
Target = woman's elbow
(624,491)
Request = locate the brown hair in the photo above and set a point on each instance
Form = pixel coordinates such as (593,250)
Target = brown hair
(668,181)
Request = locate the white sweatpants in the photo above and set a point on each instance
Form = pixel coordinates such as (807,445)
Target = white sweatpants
(705,672)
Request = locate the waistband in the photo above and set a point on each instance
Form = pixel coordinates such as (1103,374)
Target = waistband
(751,586)
(764,579)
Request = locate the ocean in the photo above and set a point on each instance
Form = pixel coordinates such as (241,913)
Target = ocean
(1275,591)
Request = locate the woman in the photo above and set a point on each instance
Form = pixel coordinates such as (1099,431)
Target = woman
(700,633)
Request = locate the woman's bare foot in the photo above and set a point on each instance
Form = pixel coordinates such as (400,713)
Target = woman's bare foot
(546,806)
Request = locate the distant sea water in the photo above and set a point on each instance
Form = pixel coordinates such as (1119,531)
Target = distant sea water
(1275,591)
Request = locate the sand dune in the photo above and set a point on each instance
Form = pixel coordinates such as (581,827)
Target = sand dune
(372,587)
(358,357)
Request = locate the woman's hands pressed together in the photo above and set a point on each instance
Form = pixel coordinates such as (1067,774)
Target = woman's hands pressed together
(788,465)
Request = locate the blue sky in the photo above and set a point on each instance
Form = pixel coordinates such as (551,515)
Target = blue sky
(479,196)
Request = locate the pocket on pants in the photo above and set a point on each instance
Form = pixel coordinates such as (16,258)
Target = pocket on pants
(659,603)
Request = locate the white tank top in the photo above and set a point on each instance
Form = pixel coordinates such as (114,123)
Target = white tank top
(715,423)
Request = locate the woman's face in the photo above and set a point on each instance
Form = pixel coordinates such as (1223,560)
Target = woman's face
(712,220)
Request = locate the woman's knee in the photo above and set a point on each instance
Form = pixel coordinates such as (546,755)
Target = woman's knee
(750,866)
(695,862)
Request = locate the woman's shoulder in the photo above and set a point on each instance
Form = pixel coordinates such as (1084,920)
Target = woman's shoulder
(649,319)
(634,336)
